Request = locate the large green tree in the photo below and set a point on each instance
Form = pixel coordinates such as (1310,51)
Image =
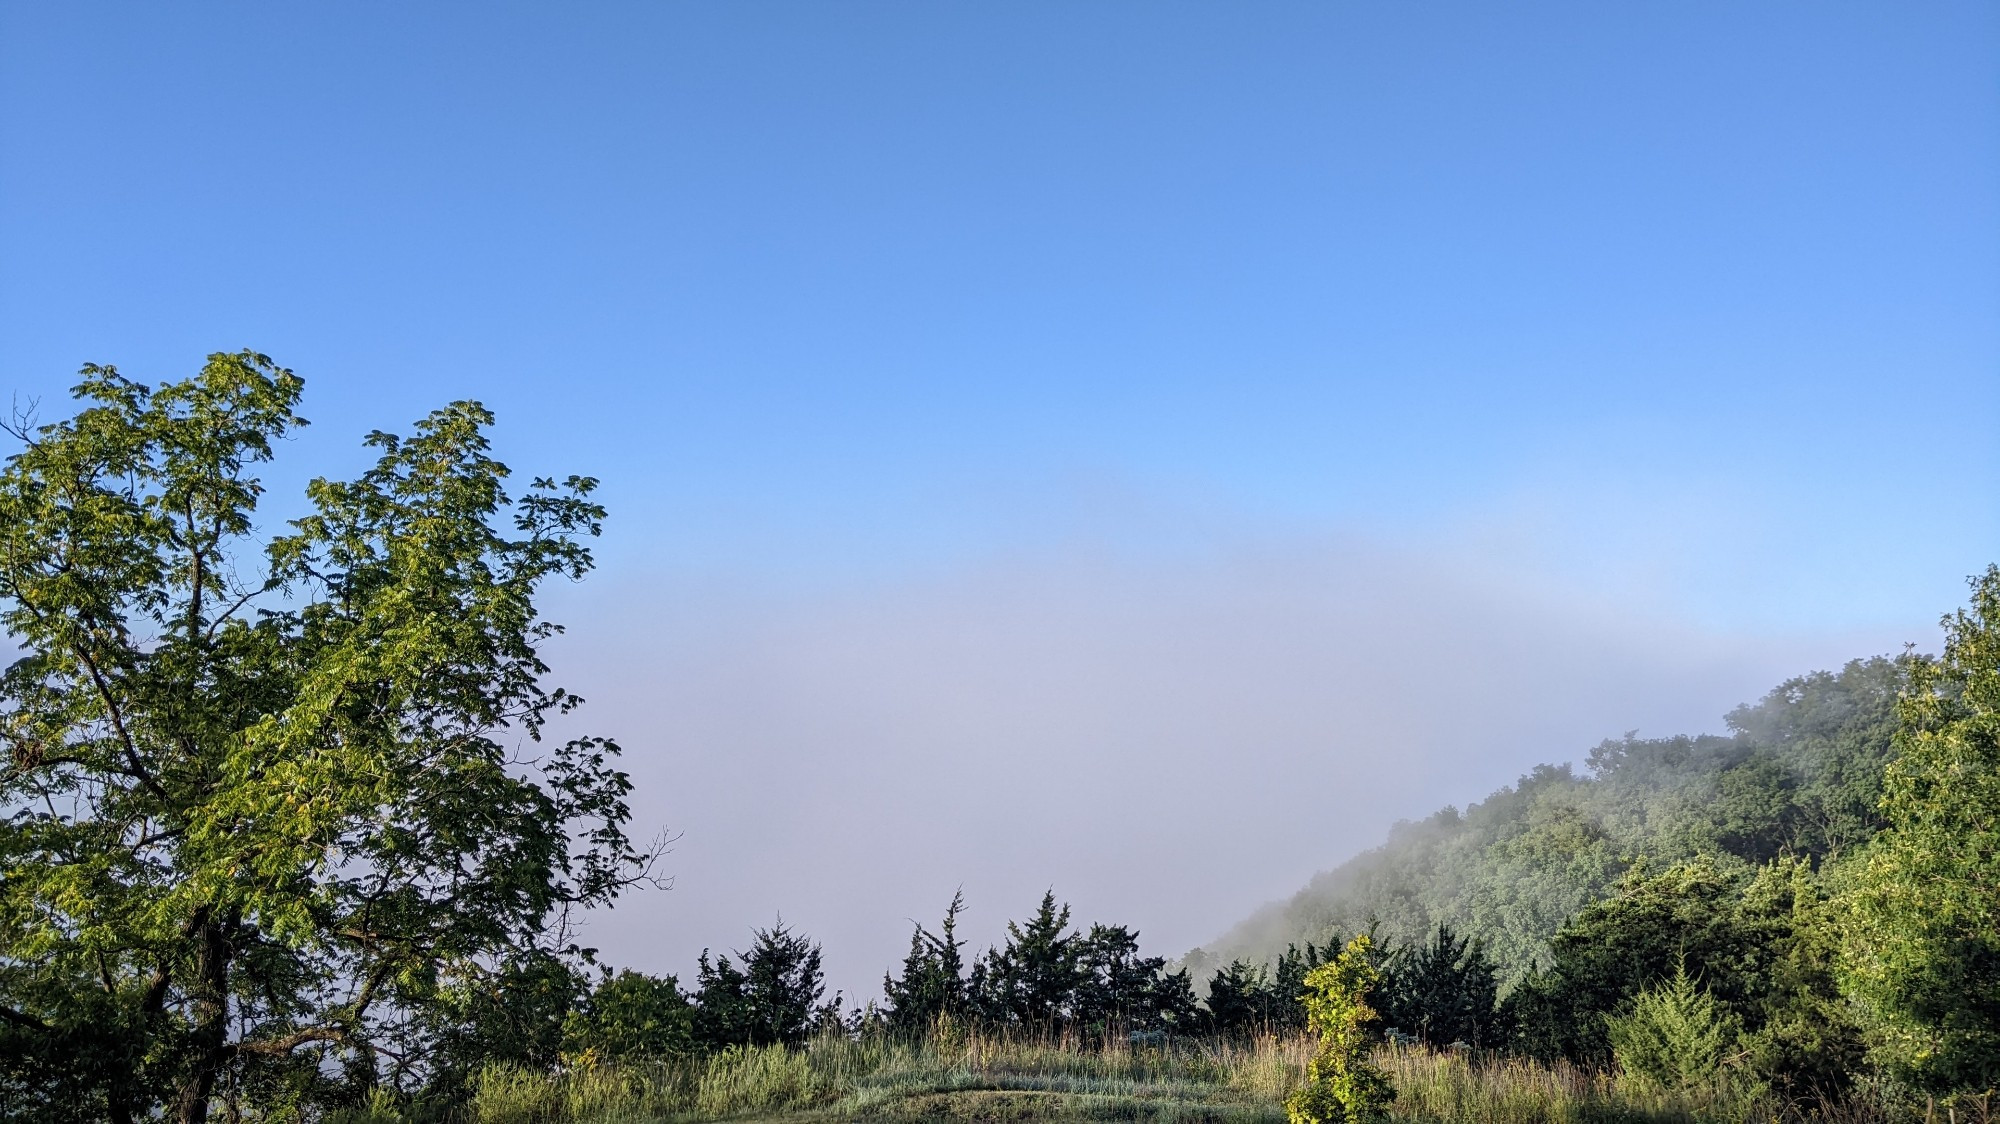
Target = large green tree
(1924,950)
(270,802)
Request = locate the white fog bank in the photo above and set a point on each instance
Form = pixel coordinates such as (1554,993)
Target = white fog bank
(1168,744)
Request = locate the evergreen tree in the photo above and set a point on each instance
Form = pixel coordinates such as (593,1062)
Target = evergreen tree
(1675,1037)
(722,1009)
(1802,1036)
(773,999)
(1240,999)
(1288,983)
(1174,1006)
(1119,989)
(1443,991)
(1244,997)
(1615,948)
(932,982)
(1031,981)
(1761,942)
(784,984)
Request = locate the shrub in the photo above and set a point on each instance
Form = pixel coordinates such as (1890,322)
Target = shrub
(1676,1038)
(1341,1084)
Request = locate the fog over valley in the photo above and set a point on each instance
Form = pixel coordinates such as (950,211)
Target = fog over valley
(1169,744)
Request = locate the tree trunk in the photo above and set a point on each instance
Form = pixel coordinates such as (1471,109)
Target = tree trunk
(211,1031)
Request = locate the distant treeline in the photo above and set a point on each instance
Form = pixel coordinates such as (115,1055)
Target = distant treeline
(1045,979)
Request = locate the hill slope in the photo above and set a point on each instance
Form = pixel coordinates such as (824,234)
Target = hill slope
(1800,773)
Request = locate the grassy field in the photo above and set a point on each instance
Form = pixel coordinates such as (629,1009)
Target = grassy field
(976,1078)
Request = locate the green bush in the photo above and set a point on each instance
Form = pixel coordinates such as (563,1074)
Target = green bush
(1341,1083)
(630,1015)
(1676,1038)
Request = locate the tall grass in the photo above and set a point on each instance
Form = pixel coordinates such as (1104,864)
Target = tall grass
(997,1077)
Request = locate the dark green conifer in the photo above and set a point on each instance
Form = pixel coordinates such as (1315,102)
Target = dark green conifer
(932,982)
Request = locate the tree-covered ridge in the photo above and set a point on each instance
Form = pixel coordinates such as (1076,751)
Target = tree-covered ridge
(1800,774)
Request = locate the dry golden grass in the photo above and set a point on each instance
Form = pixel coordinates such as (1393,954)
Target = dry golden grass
(956,1076)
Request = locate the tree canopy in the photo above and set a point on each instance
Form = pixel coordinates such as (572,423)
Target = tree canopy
(271,801)
(1924,950)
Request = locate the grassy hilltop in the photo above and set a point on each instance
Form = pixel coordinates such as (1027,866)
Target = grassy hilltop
(988,1078)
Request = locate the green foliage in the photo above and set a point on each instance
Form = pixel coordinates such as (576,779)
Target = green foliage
(629,1016)
(1615,948)
(1801,1035)
(1831,735)
(1676,1037)
(1799,775)
(773,999)
(1443,991)
(67,1072)
(783,983)
(262,813)
(513,1015)
(1241,997)
(1341,1083)
(721,1004)
(933,980)
(1761,941)
(1031,979)
(1288,981)
(1120,990)
(1245,997)
(1046,979)
(1923,955)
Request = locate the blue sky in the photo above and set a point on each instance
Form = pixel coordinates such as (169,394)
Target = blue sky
(1686,316)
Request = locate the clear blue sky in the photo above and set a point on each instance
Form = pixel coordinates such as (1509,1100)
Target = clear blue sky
(887,283)
(1689,305)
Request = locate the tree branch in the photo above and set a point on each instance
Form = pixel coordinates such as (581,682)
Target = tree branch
(20,1018)
(268,1047)
(117,716)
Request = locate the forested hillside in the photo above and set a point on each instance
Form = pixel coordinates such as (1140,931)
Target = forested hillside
(1799,774)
